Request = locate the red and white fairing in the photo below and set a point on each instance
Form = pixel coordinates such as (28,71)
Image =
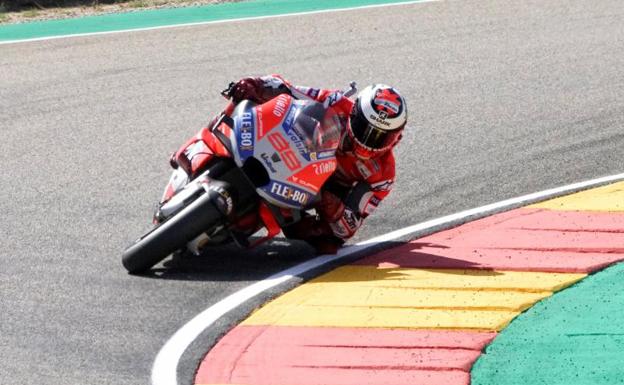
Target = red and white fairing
(295,140)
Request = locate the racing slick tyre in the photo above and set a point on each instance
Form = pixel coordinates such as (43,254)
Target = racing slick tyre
(199,216)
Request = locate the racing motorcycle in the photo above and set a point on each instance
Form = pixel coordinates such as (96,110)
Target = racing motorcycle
(257,166)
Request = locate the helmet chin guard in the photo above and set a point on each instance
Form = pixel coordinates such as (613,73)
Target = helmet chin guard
(377,120)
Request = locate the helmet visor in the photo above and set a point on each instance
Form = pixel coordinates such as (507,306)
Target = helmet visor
(371,136)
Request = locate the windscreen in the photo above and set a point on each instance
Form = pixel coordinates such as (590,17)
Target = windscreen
(318,126)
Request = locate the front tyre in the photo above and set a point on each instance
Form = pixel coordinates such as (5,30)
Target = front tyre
(199,216)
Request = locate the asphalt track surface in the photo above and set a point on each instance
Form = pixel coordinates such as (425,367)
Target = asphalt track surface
(506,98)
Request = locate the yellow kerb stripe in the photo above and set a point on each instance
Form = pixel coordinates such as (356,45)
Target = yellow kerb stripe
(365,296)
(446,278)
(334,295)
(321,316)
(608,198)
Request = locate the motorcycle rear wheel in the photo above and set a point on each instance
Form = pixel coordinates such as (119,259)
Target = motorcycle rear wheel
(199,216)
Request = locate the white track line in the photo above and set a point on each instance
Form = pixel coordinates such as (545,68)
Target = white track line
(164,371)
(215,22)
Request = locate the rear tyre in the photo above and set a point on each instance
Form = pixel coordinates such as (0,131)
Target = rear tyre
(198,217)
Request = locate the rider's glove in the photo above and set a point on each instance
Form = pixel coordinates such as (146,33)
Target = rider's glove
(343,217)
(246,88)
(331,207)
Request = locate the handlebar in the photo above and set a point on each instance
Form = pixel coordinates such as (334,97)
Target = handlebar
(352,89)
(227,93)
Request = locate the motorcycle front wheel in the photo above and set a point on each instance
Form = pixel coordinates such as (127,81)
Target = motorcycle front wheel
(199,216)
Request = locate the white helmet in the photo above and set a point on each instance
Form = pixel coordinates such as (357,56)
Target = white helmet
(377,120)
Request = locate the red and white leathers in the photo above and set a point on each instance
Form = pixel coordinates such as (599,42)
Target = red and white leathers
(357,186)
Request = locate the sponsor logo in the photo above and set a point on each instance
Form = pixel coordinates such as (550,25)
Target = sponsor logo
(386,100)
(325,154)
(382,186)
(247,122)
(371,205)
(280,106)
(296,140)
(290,193)
(268,162)
(364,171)
(304,183)
(376,165)
(347,225)
(292,134)
(260,124)
(275,157)
(378,120)
(333,98)
(246,131)
(323,168)
(290,118)
(350,219)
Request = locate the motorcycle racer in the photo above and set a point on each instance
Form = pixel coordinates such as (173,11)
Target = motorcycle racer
(372,126)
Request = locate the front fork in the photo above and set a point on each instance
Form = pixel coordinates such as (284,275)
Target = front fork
(268,216)
(178,194)
(181,193)
(178,180)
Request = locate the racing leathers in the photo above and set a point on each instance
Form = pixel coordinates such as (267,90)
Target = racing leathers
(356,187)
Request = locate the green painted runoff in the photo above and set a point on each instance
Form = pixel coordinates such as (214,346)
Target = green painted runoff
(175,16)
(573,337)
